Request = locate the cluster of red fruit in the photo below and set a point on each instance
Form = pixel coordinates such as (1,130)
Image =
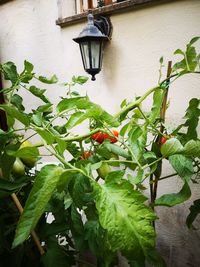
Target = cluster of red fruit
(99,137)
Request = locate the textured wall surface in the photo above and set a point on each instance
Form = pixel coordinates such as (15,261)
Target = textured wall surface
(131,62)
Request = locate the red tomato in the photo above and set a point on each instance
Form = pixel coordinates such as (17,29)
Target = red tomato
(163,139)
(113,139)
(86,155)
(100,137)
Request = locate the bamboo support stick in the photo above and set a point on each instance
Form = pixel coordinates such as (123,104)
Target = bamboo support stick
(162,116)
(33,233)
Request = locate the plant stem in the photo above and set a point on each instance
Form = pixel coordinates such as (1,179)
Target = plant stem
(136,103)
(168,176)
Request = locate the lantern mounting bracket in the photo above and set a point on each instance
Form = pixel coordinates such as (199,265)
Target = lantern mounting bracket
(104,25)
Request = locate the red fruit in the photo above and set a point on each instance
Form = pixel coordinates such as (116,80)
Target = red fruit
(86,155)
(163,139)
(100,137)
(113,139)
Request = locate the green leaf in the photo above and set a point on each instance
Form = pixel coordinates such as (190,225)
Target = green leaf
(78,187)
(114,177)
(44,185)
(56,255)
(39,93)
(194,211)
(10,72)
(46,135)
(134,180)
(116,150)
(61,146)
(37,118)
(173,199)
(92,110)
(179,52)
(79,79)
(171,146)
(137,139)
(183,166)
(47,108)
(75,117)
(51,80)
(28,67)
(192,118)
(13,112)
(194,40)
(77,228)
(7,187)
(161,60)
(17,101)
(126,219)
(124,129)
(30,152)
(72,103)
(157,104)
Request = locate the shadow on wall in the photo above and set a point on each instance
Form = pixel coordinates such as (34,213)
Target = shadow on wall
(111,63)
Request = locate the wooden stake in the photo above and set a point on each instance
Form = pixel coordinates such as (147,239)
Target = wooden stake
(162,116)
(33,233)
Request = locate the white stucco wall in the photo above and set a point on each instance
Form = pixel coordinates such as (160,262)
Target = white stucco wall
(130,67)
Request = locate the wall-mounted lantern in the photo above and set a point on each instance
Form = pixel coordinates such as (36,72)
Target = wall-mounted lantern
(91,42)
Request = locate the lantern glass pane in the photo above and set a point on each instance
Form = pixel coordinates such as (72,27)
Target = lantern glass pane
(85,54)
(95,54)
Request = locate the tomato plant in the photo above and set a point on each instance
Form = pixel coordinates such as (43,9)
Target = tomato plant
(98,204)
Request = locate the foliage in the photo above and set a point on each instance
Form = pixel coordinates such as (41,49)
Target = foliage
(104,214)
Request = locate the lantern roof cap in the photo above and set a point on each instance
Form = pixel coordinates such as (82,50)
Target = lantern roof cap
(91,31)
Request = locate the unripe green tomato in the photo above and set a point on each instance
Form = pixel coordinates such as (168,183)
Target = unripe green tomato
(18,167)
(28,161)
(114,157)
(103,170)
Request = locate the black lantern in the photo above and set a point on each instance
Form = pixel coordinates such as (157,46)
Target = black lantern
(91,41)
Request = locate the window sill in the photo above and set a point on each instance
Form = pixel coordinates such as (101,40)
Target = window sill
(107,10)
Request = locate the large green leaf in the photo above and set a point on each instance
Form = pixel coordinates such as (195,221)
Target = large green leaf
(44,185)
(182,165)
(126,218)
(194,211)
(173,199)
